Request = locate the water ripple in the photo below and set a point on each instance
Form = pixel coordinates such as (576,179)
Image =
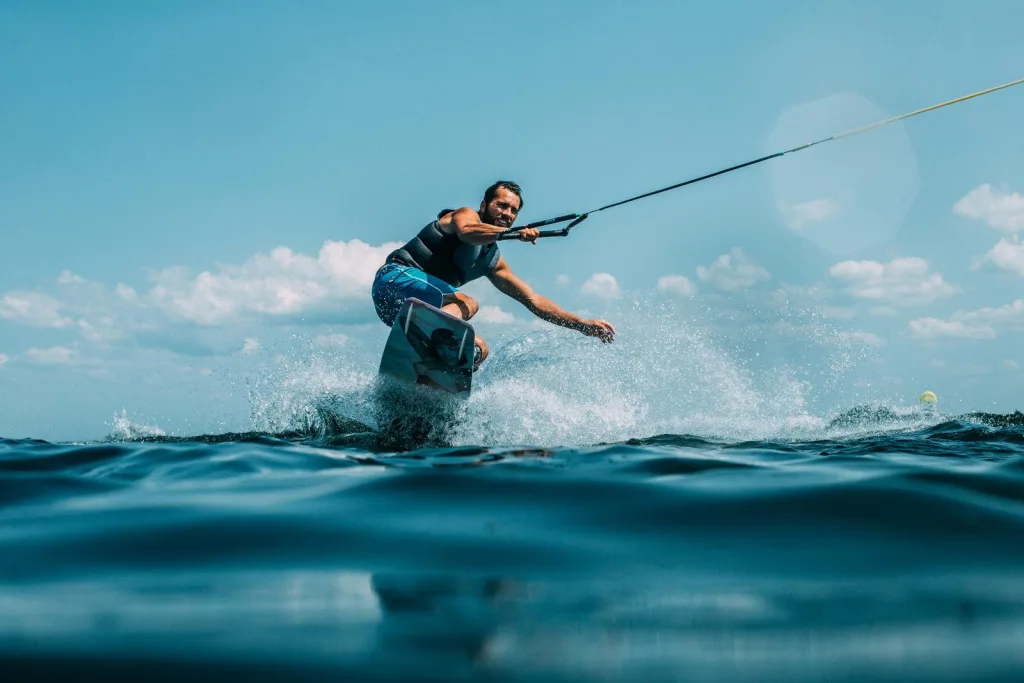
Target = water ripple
(886,554)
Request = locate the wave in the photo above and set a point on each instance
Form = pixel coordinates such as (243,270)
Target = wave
(862,429)
(768,559)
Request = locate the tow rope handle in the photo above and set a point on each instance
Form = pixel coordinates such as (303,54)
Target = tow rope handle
(576,218)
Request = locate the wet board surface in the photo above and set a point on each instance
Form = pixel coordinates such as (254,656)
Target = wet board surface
(429,347)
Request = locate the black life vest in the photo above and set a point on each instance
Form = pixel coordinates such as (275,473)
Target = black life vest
(445,256)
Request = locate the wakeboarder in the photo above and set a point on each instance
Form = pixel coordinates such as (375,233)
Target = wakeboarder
(459,246)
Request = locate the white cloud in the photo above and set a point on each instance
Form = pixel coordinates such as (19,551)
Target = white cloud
(679,285)
(250,346)
(55,355)
(89,331)
(938,364)
(126,292)
(1010,315)
(933,328)
(1002,210)
(601,285)
(493,314)
(882,310)
(799,216)
(732,271)
(562,280)
(1011,364)
(901,282)
(4,358)
(69,279)
(33,308)
(1007,254)
(863,338)
(279,283)
(979,324)
(336,280)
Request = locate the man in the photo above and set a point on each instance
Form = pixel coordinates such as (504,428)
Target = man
(458,247)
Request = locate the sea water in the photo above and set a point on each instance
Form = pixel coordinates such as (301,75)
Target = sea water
(662,511)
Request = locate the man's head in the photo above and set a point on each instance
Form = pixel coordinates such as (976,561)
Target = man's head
(502,203)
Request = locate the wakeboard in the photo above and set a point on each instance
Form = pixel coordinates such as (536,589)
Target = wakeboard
(429,347)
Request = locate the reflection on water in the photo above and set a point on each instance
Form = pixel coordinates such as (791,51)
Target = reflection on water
(407,626)
(440,623)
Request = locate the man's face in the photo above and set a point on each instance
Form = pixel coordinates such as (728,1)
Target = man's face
(502,210)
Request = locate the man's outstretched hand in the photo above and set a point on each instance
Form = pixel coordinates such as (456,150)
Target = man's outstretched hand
(599,328)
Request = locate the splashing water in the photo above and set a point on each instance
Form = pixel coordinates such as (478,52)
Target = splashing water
(773,374)
(293,393)
(123,429)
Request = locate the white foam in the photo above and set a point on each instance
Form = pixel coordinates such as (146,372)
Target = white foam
(665,374)
(126,430)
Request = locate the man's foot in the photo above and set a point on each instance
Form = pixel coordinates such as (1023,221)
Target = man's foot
(478,357)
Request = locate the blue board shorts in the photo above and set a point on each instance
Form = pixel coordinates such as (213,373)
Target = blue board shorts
(394,283)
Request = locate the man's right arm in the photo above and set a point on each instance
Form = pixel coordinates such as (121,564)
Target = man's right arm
(510,284)
(467,224)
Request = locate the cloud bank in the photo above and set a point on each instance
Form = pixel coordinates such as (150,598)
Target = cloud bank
(732,272)
(902,282)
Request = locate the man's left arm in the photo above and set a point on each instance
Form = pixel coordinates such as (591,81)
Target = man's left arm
(510,284)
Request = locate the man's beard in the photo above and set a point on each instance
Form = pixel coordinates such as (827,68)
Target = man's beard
(494,220)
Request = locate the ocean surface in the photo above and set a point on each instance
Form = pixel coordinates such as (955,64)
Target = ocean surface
(883,545)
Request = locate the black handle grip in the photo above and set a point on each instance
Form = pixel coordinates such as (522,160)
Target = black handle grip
(514,235)
(551,221)
(548,221)
(576,218)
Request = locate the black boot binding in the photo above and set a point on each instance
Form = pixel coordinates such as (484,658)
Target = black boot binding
(478,357)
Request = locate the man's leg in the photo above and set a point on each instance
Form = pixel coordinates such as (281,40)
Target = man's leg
(463,306)
(460,305)
(395,285)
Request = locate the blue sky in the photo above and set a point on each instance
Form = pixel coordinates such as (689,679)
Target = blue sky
(192,193)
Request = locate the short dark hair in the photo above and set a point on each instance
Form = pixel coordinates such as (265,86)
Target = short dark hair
(508,185)
(444,212)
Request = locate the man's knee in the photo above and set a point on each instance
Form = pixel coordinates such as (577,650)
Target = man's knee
(464,305)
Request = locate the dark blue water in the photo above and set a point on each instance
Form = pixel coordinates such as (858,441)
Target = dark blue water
(891,554)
